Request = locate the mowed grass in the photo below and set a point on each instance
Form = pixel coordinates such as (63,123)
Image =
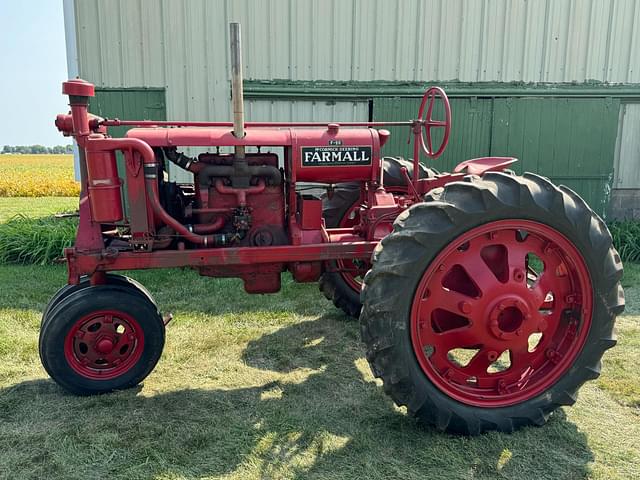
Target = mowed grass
(257,386)
(35,207)
(37,176)
(275,386)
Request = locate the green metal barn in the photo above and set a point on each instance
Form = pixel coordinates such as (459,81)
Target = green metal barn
(555,83)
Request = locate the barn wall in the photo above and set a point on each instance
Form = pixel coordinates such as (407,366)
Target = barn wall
(182,46)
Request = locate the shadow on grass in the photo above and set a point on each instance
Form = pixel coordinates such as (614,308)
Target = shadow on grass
(330,422)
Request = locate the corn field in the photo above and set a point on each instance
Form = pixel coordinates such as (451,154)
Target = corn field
(37,176)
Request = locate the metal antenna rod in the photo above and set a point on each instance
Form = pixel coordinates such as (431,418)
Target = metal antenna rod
(237,97)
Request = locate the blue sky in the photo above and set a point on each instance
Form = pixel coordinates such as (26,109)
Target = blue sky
(34,65)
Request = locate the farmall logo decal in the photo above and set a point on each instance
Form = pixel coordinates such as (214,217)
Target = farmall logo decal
(335,156)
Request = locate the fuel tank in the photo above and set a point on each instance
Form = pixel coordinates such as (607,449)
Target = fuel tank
(335,154)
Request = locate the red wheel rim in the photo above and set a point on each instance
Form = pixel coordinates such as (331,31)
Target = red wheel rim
(350,271)
(501,313)
(104,344)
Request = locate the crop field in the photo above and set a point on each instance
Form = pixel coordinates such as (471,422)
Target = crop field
(37,176)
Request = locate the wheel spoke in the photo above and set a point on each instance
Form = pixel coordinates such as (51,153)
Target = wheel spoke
(548,282)
(465,337)
(450,300)
(86,336)
(478,365)
(481,275)
(543,285)
(90,356)
(429,140)
(124,339)
(517,258)
(544,322)
(519,355)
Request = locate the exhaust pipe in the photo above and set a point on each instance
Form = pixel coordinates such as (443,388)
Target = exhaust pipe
(237,96)
(241,175)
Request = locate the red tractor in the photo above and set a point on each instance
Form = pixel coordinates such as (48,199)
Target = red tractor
(485,299)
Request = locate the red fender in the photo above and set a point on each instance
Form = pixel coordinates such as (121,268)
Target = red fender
(478,166)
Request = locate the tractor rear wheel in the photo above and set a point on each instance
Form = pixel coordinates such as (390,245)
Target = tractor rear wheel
(490,304)
(101,338)
(342,281)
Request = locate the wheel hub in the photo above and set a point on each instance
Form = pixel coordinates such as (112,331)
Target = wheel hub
(508,318)
(104,345)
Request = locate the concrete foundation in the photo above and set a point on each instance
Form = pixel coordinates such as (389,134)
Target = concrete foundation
(624,204)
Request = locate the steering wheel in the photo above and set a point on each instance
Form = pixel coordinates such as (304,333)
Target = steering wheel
(425,115)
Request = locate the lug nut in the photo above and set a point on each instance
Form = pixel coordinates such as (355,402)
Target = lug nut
(465,307)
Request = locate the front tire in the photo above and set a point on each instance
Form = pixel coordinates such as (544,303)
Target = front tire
(465,281)
(112,279)
(101,338)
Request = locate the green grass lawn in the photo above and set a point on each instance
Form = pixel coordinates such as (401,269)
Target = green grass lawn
(35,206)
(276,386)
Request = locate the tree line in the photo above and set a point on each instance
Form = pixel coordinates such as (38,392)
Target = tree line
(37,149)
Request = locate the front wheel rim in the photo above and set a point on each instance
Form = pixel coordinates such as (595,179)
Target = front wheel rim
(104,345)
(501,313)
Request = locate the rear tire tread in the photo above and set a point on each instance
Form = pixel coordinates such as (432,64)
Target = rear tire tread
(414,231)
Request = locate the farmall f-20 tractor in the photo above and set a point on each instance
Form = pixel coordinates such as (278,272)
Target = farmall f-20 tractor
(485,299)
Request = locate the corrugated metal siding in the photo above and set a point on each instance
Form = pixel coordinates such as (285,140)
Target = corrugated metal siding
(306,111)
(147,104)
(470,129)
(627,164)
(184,44)
(555,137)
(571,141)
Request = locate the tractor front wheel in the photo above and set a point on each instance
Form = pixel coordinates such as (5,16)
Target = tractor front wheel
(490,304)
(101,338)
(112,279)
